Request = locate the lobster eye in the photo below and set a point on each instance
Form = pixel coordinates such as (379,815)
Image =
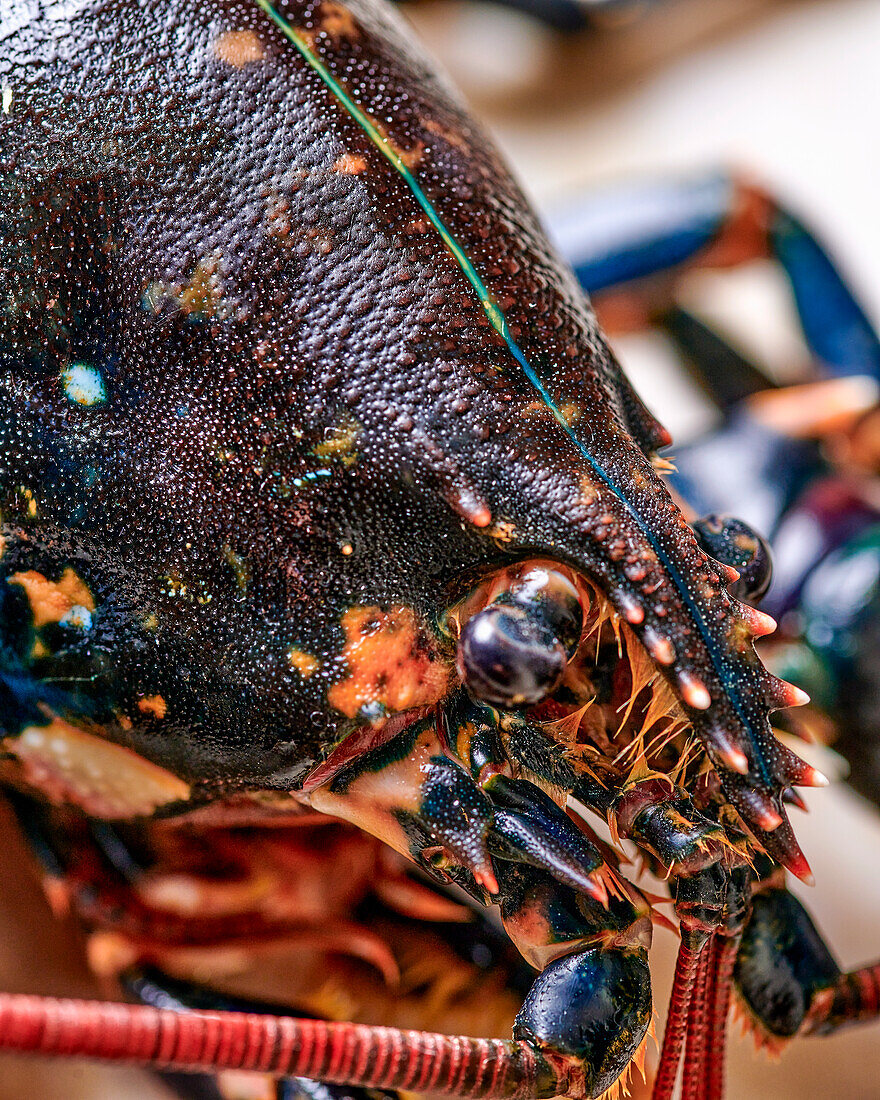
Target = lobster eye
(732,542)
(514,652)
(508,659)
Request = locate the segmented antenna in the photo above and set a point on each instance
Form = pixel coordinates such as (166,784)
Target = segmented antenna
(281,1046)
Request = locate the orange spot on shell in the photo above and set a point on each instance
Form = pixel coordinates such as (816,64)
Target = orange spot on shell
(304,663)
(68,764)
(350,164)
(392,660)
(452,137)
(589,490)
(410,157)
(51,600)
(203,294)
(153,704)
(239,48)
(338,22)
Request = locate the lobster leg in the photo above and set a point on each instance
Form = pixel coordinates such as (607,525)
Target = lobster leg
(721,979)
(687,967)
(587,1013)
(629,250)
(788,980)
(712,907)
(700,905)
(410,793)
(712,894)
(504,839)
(496,978)
(852,997)
(698,1026)
(648,234)
(590,1006)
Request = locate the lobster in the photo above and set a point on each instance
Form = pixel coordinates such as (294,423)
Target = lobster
(336,542)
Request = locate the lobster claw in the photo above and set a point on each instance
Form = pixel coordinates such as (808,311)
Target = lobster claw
(528,827)
(422,802)
(592,1009)
(781,963)
(456,813)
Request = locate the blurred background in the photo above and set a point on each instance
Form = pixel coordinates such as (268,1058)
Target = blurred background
(786,91)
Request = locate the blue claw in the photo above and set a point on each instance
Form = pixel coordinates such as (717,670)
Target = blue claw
(631,232)
(528,827)
(593,1008)
(834,324)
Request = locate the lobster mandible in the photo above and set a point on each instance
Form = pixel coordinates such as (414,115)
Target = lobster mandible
(321,488)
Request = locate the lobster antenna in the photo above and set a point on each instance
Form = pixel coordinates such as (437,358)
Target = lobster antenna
(687,967)
(726,952)
(282,1046)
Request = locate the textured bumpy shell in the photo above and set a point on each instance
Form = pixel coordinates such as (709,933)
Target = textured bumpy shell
(257,406)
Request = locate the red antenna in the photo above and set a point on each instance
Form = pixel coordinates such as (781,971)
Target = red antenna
(342,1053)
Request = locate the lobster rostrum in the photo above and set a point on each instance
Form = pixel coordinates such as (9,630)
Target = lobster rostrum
(322,490)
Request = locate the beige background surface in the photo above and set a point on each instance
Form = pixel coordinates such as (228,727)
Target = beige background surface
(789,90)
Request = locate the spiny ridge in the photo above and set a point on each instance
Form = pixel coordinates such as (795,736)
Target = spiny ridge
(779,694)
(757,808)
(794,772)
(791,798)
(729,752)
(693,690)
(758,622)
(731,575)
(630,608)
(782,846)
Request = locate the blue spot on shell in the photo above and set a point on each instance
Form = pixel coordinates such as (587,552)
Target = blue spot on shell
(78,616)
(83,385)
